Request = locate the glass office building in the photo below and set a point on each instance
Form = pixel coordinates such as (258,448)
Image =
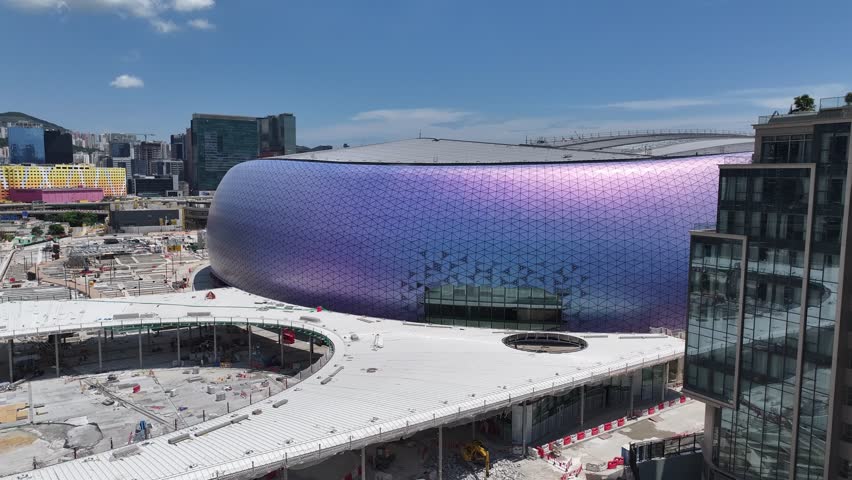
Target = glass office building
(276,134)
(218,143)
(766,350)
(521,239)
(26,145)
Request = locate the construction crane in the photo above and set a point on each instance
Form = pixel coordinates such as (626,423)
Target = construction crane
(475,451)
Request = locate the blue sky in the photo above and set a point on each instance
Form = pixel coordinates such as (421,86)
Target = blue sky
(361,71)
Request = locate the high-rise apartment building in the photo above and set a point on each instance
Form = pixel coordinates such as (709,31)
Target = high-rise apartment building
(769,311)
(276,134)
(218,143)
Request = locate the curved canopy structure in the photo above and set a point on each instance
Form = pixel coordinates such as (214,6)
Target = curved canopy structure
(385,380)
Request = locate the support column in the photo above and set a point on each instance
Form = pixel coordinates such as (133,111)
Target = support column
(140,346)
(632,380)
(248,330)
(215,349)
(680,366)
(149,337)
(665,382)
(281,348)
(101,334)
(710,414)
(56,352)
(440,452)
(11,360)
(635,387)
(364,463)
(178,345)
(32,405)
(311,342)
(582,405)
(524,429)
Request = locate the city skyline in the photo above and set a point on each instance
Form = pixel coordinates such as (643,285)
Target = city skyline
(483,71)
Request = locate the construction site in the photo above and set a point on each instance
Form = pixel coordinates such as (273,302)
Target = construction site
(91,391)
(114,378)
(101,267)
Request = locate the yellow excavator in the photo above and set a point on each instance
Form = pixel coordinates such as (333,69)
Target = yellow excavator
(476,451)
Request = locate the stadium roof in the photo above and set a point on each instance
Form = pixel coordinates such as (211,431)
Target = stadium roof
(432,151)
(385,380)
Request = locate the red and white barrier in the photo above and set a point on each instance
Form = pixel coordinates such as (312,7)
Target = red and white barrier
(355,474)
(547,451)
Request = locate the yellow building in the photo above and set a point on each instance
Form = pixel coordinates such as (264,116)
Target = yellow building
(113,181)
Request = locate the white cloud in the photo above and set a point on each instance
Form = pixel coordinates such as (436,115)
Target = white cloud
(127,81)
(418,115)
(153,11)
(662,103)
(192,5)
(164,26)
(201,24)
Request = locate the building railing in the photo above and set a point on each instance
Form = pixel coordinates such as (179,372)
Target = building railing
(630,133)
(824,103)
(833,102)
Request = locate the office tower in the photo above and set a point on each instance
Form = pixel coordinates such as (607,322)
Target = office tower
(769,310)
(119,149)
(218,143)
(58,147)
(177,147)
(188,163)
(146,154)
(276,134)
(26,145)
(168,168)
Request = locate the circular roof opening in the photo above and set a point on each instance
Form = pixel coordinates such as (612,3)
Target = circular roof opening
(545,342)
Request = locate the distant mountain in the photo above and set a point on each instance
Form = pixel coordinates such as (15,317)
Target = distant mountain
(23,117)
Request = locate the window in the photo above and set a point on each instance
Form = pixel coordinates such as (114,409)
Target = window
(846,433)
(845,468)
(834,147)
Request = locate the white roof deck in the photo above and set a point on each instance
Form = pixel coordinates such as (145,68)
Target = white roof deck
(447,152)
(427,376)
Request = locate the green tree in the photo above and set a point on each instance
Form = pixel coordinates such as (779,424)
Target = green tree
(8,237)
(56,230)
(37,231)
(848,98)
(89,219)
(804,103)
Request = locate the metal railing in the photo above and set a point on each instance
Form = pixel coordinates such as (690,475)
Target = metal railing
(541,140)
(178,423)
